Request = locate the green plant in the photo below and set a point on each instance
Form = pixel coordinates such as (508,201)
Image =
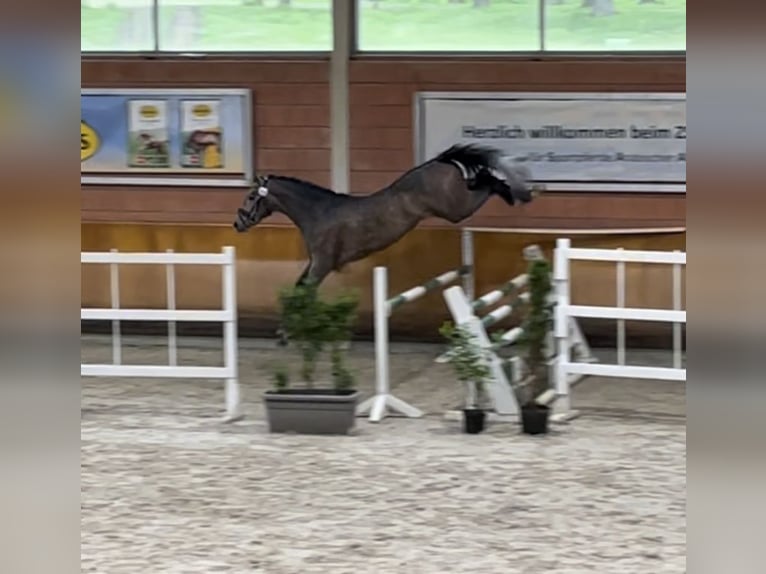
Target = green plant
(339,319)
(536,326)
(313,324)
(303,322)
(469,361)
(281,378)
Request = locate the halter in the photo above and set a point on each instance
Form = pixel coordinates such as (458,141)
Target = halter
(262,191)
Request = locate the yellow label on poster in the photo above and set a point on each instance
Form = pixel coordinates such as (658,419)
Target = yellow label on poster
(89,141)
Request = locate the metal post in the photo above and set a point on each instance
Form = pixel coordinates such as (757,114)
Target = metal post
(170,285)
(621,305)
(467,260)
(114,287)
(156,25)
(343,26)
(229,288)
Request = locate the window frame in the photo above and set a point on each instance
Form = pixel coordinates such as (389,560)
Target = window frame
(357,53)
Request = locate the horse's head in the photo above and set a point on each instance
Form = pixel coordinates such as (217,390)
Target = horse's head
(257,206)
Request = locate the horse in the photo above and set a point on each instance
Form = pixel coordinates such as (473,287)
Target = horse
(338,229)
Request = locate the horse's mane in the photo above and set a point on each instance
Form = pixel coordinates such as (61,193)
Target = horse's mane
(312,186)
(472,156)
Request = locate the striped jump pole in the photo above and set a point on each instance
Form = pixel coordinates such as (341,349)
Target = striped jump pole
(418,291)
(514,285)
(511,287)
(383,401)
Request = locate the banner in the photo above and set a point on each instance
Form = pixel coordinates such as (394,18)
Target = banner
(166,137)
(566,138)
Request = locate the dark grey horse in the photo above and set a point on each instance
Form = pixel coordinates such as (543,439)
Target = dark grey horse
(338,228)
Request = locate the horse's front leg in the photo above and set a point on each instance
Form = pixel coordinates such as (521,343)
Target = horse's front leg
(281,334)
(315,271)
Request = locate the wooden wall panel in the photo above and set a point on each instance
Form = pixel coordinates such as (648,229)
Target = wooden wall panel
(269,258)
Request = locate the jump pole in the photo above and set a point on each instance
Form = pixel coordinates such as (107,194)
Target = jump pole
(383,307)
(383,401)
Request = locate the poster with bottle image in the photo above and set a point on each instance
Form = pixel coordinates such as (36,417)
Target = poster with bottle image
(201,134)
(148,144)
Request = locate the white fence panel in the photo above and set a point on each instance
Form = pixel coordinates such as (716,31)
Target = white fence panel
(227,315)
(565,311)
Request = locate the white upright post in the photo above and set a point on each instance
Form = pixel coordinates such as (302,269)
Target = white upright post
(378,404)
(230,342)
(382,312)
(467,260)
(114,285)
(561,322)
(170,285)
(677,360)
(621,304)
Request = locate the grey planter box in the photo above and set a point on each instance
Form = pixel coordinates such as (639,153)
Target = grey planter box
(311,411)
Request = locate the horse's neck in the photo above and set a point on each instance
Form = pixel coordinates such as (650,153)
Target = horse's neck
(297,206)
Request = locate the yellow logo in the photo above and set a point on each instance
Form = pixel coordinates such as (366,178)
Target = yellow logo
(89,141)
(201,110)
(149,112)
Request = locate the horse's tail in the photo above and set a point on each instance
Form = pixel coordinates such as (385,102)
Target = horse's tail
(484,164)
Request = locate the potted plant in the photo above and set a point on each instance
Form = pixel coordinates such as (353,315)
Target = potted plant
(471,367)
(312,325)
(535,394)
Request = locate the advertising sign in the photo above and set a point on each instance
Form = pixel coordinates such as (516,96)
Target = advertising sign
(615,142)
(166,137)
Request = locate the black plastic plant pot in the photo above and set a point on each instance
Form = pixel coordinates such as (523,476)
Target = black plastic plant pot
(473,420)
(534,419)
(311,411)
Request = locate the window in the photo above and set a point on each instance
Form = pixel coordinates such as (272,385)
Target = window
(448,25)
(207,25)
(108,26)
(615,25)
(515,25)
(385,25)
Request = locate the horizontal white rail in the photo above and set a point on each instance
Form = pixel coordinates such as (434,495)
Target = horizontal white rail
(565,311)
(226,315)
(159,371)
(156,258)
(627,255)
(626,313)
(629,371)
(157,315)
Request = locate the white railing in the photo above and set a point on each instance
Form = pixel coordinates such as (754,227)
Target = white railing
(227,315)
(565,311)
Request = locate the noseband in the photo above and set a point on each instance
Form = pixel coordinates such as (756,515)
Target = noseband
(250,216)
